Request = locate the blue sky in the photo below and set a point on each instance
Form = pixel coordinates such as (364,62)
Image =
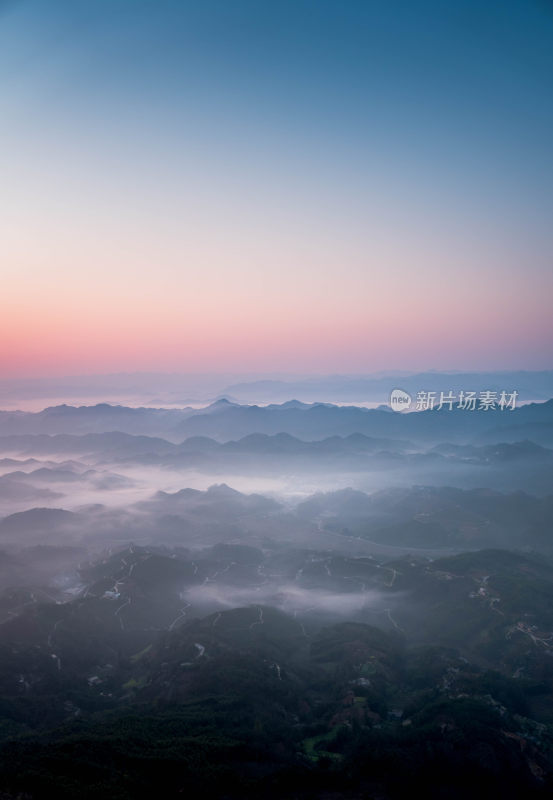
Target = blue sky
(259,158)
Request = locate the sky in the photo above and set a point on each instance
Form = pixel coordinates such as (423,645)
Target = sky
(310,186)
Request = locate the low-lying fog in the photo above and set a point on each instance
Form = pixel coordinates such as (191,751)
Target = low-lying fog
(70,496)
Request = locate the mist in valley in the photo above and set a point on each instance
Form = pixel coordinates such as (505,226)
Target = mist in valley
(349,584)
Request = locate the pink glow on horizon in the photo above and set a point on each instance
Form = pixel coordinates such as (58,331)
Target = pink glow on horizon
(139,291)
(275,338)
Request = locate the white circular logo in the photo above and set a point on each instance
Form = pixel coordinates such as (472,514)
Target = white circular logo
(400,400)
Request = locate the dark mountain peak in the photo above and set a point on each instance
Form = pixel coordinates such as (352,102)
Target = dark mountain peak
(222,490)
(182,494)
(37,519)
(253,438)
(220,404)
(286,437)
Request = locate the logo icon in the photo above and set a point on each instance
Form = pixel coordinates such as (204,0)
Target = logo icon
(400,400)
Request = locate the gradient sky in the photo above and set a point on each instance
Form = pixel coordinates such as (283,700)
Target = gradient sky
(291,185)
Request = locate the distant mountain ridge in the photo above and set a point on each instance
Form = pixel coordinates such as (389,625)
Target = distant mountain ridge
(536,386)
(225,421)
